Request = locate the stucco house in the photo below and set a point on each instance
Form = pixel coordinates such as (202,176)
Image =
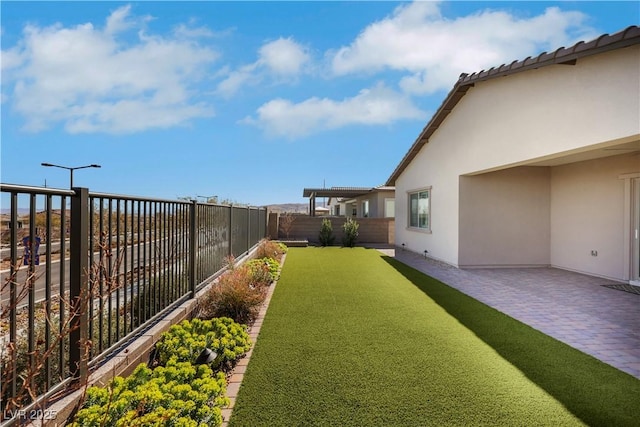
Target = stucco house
(322,211)
(533,163)
(356,202)
(337,206)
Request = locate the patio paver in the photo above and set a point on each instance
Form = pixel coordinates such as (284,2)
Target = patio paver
(571,307)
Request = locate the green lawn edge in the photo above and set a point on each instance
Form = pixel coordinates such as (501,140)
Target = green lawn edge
(594,391)
(313,310)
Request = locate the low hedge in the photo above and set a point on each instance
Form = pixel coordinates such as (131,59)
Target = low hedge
(186,340)
(178,394)
(270,264)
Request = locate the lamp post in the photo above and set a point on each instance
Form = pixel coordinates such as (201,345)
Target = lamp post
(70,169)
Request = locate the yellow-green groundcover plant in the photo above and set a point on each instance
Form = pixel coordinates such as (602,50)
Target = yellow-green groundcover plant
(177,392)
(180,394)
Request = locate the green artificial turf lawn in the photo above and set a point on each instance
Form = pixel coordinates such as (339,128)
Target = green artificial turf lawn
(353,338)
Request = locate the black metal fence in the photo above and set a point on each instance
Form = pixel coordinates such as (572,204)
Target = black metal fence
(84,272)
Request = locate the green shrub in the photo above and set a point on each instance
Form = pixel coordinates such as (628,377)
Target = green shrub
(186,340)
(326,233)
(258,275)
(257,266)
(179,394)
(233,296)
(350,228)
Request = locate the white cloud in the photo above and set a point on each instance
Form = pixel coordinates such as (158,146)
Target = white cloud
(376,106)
(235,80)
(90,80)
(284,57)
(434,50)
(11,58)
(119,21)
(184,31)
(280,60)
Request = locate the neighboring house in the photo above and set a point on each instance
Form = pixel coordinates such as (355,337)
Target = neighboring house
(322,211)
(337,206)
(356,202)
(5,222)
(533,163)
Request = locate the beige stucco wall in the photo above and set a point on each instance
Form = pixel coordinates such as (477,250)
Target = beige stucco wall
(376,203)
(587,213)
(358,205)
(548,112)
(504,218)
(518,120)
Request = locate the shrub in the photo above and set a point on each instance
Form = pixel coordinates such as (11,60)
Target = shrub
(233,297)
(179,394)
(258,266)
(258,275)
(271,249)
(186,340)
(229,262)
(17,356)
(350,228)
(326,233)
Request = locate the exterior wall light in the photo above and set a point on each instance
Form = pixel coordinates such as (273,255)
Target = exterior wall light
(206,356)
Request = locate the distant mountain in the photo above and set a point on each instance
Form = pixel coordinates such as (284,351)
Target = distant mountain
(289,207)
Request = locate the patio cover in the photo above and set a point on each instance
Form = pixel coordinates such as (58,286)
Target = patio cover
(347,192)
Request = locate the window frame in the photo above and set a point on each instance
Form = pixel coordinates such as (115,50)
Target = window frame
(427,228)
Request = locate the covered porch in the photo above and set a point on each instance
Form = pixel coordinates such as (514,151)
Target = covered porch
(579,212)
(333,192)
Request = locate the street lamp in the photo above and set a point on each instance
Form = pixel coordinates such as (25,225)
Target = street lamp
(70,169)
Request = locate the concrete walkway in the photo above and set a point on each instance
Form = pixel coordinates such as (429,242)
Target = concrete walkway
(573,308)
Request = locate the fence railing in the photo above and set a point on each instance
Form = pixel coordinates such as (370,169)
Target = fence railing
(83,273)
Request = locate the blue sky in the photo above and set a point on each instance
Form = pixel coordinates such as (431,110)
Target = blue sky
(250,101)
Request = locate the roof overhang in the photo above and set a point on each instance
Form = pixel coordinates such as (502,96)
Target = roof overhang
(564,56)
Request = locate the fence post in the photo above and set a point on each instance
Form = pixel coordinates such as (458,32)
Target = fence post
(248,228)
(266,223)
(13,294)
(193,246)
(78,284)
(230,230)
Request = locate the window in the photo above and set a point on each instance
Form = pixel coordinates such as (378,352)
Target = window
(389,208)
(365,209)
(420,209)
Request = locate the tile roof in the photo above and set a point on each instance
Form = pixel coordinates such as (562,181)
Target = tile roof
(627,37)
